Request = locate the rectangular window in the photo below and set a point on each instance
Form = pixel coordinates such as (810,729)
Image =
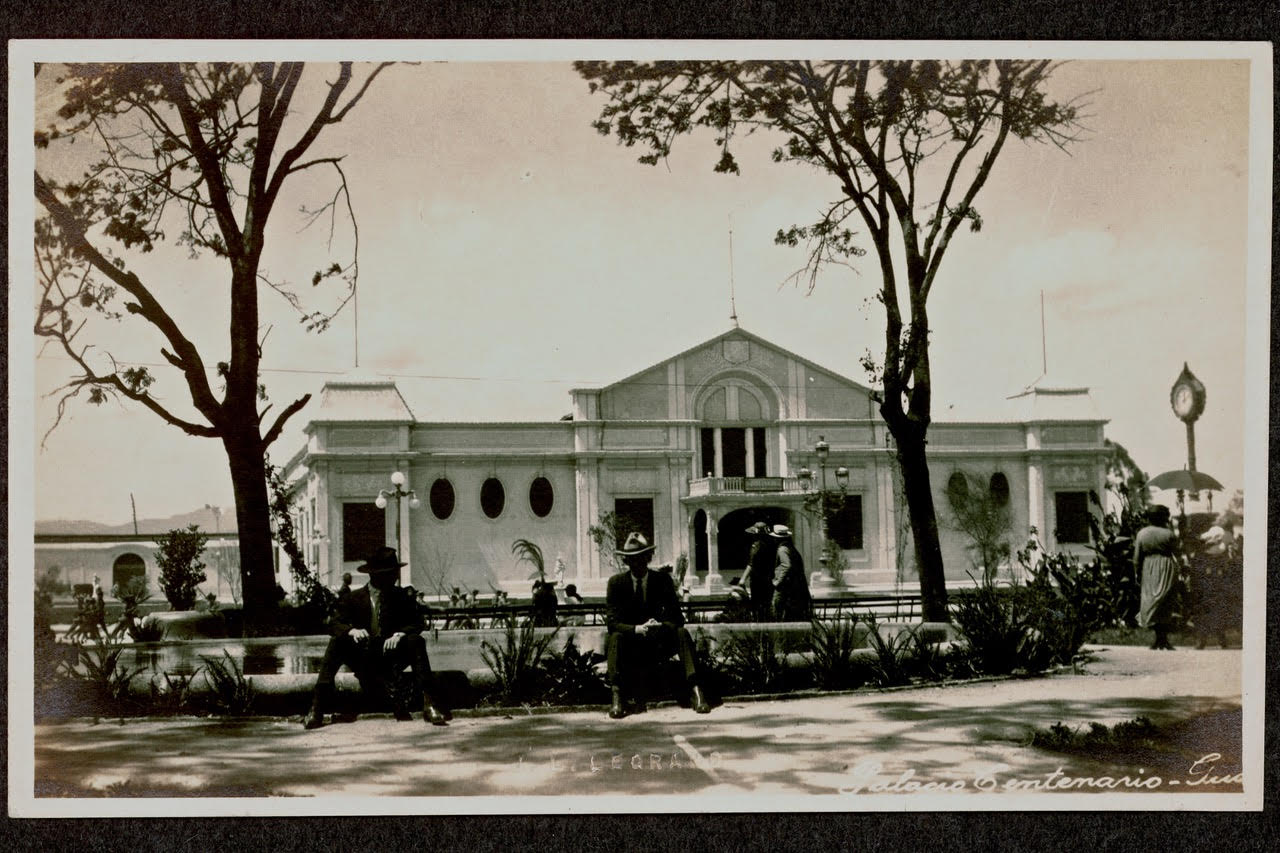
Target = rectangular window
(761,451)
(733,451)
(845,524)
(634,515)
(364,530)
(1072,517)
(708,452)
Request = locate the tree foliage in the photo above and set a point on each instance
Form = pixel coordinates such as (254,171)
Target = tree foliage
(908,144)
(197,156)
(181,568)
(984,518)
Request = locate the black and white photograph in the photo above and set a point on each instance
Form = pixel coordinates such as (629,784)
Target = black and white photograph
(574,427)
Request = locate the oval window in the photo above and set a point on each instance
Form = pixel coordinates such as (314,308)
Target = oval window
(999,489)
(441,498)
(957,488)
(492,497)
(541,497)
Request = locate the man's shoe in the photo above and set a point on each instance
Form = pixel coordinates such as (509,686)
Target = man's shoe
(615,706)
(402,715)
(432,715)
(345,717)
(313,720)
(700,705)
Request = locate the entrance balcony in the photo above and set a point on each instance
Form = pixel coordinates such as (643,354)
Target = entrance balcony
(704,486)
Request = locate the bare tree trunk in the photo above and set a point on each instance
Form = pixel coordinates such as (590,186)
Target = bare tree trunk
(253,520)
(924,521)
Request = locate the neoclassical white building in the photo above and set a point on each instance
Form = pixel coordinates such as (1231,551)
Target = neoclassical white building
(691,451)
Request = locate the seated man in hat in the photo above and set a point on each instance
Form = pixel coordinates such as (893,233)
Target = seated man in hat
(377,629)
(645,625)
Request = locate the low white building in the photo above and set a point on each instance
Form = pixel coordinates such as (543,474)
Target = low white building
(690,451)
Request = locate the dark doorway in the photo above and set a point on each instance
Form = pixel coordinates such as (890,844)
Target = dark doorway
(126,568)
(700,558)
(733,451)
(731,537)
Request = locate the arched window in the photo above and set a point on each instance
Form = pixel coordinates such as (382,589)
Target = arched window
(957,488)
(541,497)
(715,407)
(441,498)
(126,568)
(492,497)
(999,489)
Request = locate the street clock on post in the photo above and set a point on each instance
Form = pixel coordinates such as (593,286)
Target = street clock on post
(1187,399)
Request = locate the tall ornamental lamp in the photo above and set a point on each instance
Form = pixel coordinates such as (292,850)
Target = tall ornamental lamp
(399,492)
(822,450)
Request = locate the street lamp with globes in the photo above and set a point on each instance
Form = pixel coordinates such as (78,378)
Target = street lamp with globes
(399,492)
(822,450)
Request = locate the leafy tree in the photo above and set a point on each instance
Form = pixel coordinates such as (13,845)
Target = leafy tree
(181,569)
(195,156)
(908,144)
(982,516)
(313,597)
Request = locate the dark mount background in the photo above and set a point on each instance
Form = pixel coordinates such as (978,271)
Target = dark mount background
(637,19)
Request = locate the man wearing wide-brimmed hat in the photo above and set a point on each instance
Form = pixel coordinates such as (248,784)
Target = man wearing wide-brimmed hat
(376,631)
(645,627)
(791,599)
(758,579)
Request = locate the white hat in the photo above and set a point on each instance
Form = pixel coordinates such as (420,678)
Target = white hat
(780,531)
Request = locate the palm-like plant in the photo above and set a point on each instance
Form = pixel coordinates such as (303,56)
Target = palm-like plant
(527,552)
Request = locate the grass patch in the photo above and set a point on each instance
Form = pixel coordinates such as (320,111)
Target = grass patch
(1125,636)
(1168,750)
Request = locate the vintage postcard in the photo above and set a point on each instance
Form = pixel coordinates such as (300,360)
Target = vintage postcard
(569,427)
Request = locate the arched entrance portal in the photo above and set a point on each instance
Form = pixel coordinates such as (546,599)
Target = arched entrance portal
(126,568)
(734,545)
(700,559)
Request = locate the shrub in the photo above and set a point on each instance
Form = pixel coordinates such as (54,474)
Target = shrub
(926,659)
(99,666)
(516,663)
(754,662)
(573,677)
(181,569)
(174,695)
(230,693)
(997,625)
(832,645)
(892,653)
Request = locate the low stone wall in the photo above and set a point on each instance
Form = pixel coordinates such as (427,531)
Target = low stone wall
(462,676)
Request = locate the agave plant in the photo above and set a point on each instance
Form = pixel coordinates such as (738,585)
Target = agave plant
(833,644)
(230,693)
(516,663)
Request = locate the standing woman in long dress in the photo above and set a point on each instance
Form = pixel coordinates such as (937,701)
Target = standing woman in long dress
(1155,558)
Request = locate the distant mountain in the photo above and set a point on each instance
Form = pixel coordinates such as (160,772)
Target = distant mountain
(146,526)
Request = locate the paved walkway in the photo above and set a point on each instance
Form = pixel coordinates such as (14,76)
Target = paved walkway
(964,733)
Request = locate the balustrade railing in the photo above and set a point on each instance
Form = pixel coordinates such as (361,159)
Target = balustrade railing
(745,486)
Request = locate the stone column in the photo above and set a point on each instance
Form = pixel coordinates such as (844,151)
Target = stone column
(714,584)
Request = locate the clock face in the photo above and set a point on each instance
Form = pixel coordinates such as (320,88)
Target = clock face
(1183,400)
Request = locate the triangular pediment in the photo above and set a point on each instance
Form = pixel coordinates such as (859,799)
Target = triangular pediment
(788,385)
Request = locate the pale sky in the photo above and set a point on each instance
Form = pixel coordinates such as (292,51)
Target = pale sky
(509,253)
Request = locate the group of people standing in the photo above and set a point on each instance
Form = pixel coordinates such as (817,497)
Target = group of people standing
(1214,578)
(775,578)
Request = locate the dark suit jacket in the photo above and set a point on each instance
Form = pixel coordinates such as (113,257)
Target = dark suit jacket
(400,613)
(624,610)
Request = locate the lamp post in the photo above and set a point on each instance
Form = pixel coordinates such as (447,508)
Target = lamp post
(399,492)
(822,450)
